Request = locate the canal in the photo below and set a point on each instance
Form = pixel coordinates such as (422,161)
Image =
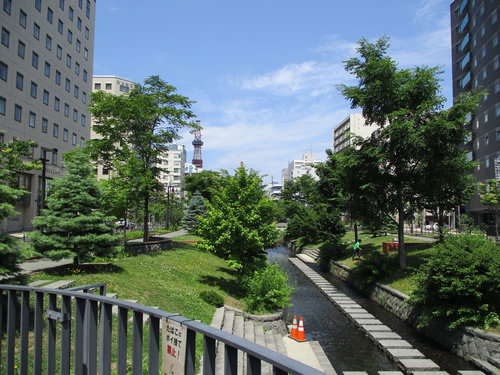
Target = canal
(347,348)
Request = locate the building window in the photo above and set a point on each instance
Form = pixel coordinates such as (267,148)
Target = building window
(75,115)
(494,17)
(54,157)
(32,119)
(22,18)
(483,52)
(45,125)
(497,87)
(108,86)
(58,77)
(71,13)
(60,27)
(73,139)
(7,6)
(34,60)
(76,91)
(65,135)
(463,24)
(497,110)
(486,117)
(70,37)
(36,31)
(79,24)
(57,103)
(82,142)
(68,60)
(66,109)
(55,131)
(486,140)
(21,49)
(496,63)
(80,4)
(18,113)
(82,120)
(61,4)
(487,163)
(19,81)
(87,33)
(97,86)
(85,75)
(85,53)
(78,45)
(59,52)
(84,97)
(3,70)
(48,42)
(87,9)
(67,85)
(38,5)
(3,104)
(34,89)
(124,88)
(46,69)
(5,37)
(77,69)
(50,15)
(46,97)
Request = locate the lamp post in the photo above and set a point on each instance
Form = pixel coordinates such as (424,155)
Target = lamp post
(44,177)
(170,189)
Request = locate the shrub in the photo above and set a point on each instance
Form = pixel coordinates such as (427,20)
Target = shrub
(328,251)
(267,289)
(375,267)
(212,298)
(460,283)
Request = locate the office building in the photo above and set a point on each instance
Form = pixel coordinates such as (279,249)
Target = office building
(475,33)
(173,163)
(352,125)
(46,63)
(297,168)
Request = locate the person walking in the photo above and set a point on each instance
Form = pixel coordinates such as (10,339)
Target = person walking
(357,250)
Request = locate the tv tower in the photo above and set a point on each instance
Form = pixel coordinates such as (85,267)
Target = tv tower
(197,143)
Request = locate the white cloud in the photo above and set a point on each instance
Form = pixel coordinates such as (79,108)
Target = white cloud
(426,11)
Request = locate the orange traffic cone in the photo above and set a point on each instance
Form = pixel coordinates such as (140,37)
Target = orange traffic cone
(301,335)
(293,332)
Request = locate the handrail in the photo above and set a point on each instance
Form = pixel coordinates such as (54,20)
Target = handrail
(87,324)
(86,288)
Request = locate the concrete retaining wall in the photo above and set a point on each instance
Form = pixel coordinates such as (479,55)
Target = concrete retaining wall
(153,245)
(466,343)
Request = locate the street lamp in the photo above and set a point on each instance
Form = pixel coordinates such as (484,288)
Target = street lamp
(44,177)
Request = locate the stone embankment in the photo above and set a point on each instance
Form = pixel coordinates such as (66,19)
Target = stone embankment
(479,347)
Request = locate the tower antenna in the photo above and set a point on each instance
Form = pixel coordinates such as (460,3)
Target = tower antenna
(197,143)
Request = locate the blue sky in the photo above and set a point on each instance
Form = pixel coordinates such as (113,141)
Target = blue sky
(263,73)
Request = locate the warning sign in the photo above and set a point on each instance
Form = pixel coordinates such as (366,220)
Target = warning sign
(174,347)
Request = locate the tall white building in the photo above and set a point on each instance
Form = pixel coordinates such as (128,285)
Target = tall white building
(173,163)
(353,124)
(112,85)
(46,64)
(297,168)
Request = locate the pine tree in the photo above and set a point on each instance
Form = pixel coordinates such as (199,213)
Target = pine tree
(73,224)
(195,208)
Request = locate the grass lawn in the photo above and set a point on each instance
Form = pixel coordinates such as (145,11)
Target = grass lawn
(171,280)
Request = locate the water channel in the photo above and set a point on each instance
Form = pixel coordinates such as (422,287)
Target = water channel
(347,348)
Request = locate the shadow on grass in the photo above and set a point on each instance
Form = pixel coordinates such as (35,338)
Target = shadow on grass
(84,268)
(230,286)
(182,245)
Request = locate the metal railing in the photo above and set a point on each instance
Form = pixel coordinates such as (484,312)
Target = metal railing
(71,331)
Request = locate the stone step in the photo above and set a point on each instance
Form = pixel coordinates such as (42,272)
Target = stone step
(419,364)
(111,295)
(218,318)
(398,353)
(470,372)
(485,366)
(249,331)
(228,322)
(39,283)
(495,361)
(280,346)
(61,284)
(269,340)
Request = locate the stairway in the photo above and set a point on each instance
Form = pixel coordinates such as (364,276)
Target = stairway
(269,331)
(309,255)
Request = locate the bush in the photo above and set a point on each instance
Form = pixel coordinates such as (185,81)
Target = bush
(460,283)
(375,267)
(267,289)
(212,298)
(328,251)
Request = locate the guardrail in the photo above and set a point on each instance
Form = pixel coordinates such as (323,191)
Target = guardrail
(83,342)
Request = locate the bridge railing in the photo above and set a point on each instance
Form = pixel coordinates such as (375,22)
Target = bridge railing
(53,331)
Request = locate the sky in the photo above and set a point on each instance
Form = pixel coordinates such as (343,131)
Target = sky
(264,73)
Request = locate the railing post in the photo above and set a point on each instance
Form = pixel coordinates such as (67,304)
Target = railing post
(253,365)
(1,323)
(38,357)
(154,345)
(66,336)
(90,338)
(105,328)
(51,337)
(190,352)
(25,316)
(122,341)
(79,335)
(11,331)
(230,360)
(137,343)
(208,356)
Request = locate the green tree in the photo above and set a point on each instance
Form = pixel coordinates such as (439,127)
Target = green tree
(12,162)
(206,183)
(489,193)
(73,225)
(240,221)
(139,125)
(393,163)
(195,208)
